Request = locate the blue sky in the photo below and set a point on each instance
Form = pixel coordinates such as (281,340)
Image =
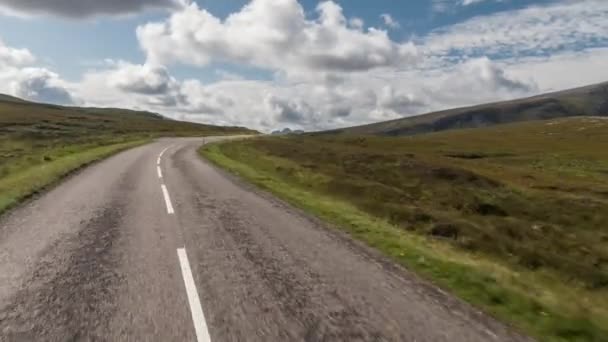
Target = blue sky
(71,46)
(119,56)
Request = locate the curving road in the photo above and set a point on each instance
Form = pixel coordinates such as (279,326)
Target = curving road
(151,247)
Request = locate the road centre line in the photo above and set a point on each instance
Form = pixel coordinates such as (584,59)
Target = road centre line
(170,210)
(163,151)
(198,317)
(161,155)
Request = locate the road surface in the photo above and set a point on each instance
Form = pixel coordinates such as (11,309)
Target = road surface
(155,244)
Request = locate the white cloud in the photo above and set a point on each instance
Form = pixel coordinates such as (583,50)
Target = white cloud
(310,104)
(151,87)
(356,98)
(356,23)
(389,21)
(14,57)
(399,101)
(78,9)
(331,71)
(41,85)
(275,35)
(534,30)
(20,78)
(142,79)
(564,70)
(475,81)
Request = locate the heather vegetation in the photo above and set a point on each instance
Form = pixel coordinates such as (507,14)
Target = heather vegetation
(511,218)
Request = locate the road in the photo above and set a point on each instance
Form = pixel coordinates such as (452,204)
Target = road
(151,247)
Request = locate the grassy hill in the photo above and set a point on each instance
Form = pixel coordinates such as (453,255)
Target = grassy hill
(22,118)
(40,143)
(8,98)
(586,101)
(511,218)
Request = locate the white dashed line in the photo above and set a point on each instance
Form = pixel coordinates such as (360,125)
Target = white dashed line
(170,210)
(198,317)
(161,155)
(163,152)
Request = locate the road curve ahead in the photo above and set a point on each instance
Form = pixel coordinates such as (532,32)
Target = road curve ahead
(155,244)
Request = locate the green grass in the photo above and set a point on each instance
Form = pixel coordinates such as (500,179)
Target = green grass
(39,143)
(21,183)
(510,218)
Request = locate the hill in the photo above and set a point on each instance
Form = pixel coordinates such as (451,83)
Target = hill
(40,143)
(511,218)
(19,117)
(8,98)
(585,101)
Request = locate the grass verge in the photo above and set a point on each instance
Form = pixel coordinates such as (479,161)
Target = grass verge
(539,302)
(22,183)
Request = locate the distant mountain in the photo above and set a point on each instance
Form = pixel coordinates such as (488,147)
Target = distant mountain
(287,131)
(585,101)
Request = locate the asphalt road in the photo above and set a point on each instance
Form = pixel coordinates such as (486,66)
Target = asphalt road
(146,248)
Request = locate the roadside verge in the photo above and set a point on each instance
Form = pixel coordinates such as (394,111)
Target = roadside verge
(512,295)
(20,185)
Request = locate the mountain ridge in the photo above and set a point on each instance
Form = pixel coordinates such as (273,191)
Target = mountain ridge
(590,100)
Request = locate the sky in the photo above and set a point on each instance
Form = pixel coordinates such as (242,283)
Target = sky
(309,64)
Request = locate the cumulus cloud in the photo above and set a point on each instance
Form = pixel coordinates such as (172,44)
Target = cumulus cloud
(355,98)
(142,79)
(288,111)
(274,35)
(399,101)
(331,71)
(356,23)
(20,78)
(82,8)
(151,87)
(563,70)
(476,81)
(40,85)
(481,74)
(147,84)
(14,57)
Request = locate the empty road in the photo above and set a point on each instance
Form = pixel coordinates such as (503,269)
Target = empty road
(155,244)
